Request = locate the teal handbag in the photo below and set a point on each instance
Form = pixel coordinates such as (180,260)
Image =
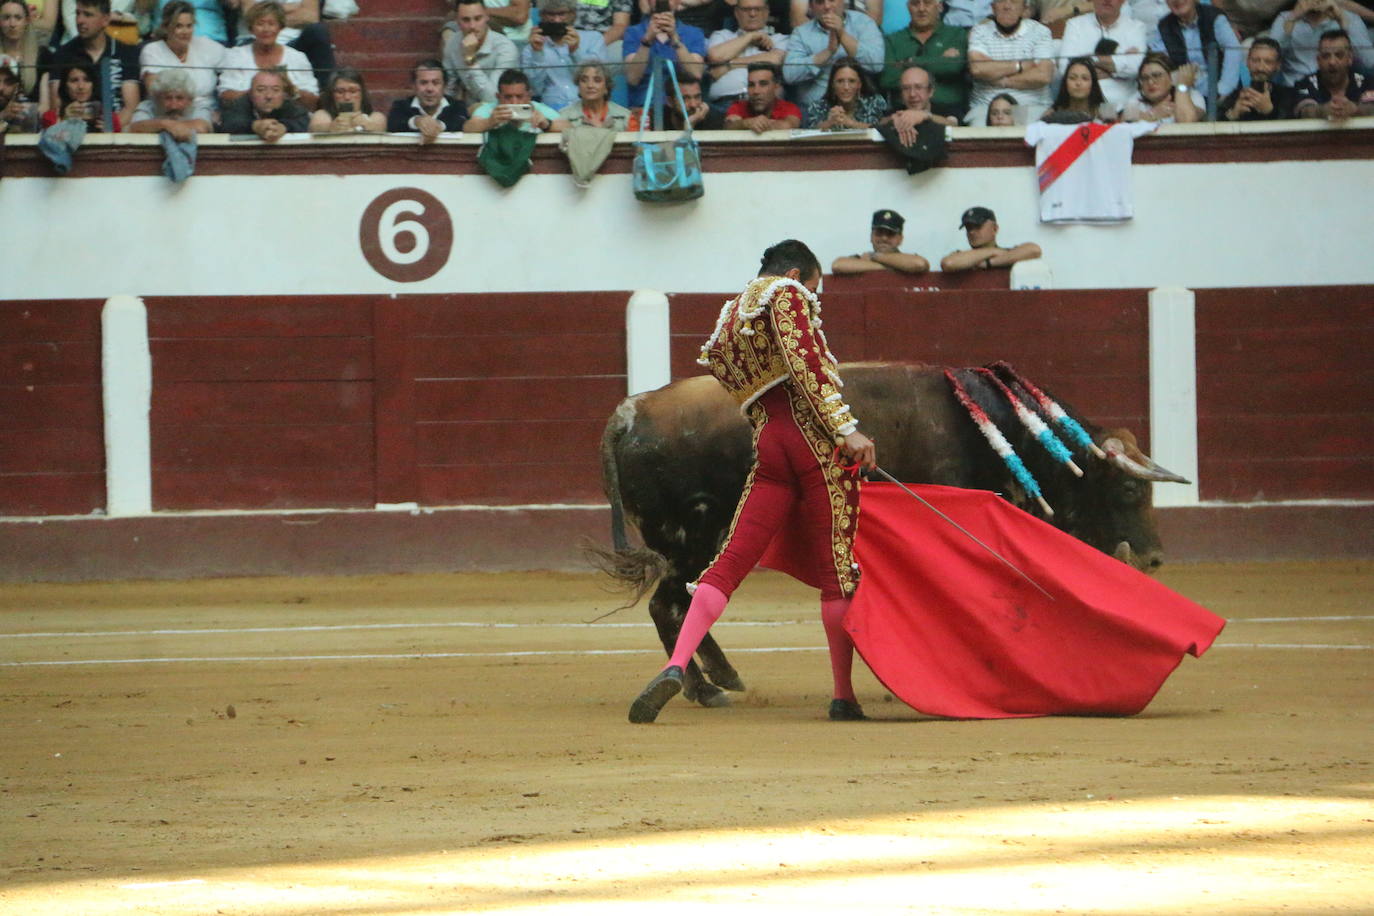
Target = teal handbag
(666,170)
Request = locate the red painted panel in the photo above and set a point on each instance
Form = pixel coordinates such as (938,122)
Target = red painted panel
(1298,308)
(266,403)
(394,418)
(50,363)
(519,399)
(1283,376)
(1024,312)
(45,451)
(51,407)
(259,316)
(263,488)
(695,313)
(51,494)
(41,320)
(683,351)
(1272,350)
(511,484)
(1327,389)
(498,314)
(262,359)
(1278,436)
(519,355)
(889,280)
(510,442)
(312,446)
(1247,479)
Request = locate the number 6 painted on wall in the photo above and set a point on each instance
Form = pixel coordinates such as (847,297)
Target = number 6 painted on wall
(389,227)
(406,215)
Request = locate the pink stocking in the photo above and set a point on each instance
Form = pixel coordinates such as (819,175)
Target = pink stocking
(708,603)
(841,646)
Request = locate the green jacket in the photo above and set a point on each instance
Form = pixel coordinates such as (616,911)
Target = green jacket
(949,74)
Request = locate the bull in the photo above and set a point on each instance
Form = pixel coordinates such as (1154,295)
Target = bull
(674,463)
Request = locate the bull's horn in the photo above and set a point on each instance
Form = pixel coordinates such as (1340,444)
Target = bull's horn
(1144,469)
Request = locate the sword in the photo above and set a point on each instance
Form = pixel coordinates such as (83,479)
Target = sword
(970,535)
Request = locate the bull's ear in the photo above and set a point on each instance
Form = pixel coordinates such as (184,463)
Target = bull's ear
(1133,461)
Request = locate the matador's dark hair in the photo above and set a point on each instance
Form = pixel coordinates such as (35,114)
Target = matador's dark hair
(784,256)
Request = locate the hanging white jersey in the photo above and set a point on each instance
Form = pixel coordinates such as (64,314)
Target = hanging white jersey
(1085,170)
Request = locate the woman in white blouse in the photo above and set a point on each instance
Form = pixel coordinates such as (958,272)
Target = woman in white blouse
(179,47)
(266,20)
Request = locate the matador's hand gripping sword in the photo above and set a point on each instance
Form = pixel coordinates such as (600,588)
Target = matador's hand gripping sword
(1005,562)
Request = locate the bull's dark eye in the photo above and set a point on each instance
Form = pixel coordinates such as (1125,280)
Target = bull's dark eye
(1132,490)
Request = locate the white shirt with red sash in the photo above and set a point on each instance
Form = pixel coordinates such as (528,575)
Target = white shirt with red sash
(1085,170)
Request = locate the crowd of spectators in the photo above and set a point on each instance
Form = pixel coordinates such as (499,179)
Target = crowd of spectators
(755,65)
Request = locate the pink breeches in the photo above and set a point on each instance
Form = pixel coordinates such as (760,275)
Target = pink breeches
(787,472)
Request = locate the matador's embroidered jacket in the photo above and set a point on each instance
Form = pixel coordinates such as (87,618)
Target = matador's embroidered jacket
(771,335)
(772,332)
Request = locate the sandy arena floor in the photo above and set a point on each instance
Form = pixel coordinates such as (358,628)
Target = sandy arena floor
(439,744)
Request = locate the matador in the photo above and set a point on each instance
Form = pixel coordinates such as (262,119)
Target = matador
(770,353)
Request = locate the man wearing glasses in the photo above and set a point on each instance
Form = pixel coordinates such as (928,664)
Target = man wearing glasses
(730,52)
(939,49)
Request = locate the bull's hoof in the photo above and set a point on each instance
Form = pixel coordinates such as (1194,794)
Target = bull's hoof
(846,711)
(711,696)
(727,680)
(666,685)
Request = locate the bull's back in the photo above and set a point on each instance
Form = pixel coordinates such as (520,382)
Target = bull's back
(922,434)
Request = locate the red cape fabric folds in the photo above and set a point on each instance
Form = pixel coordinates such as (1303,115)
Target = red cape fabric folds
(953,632)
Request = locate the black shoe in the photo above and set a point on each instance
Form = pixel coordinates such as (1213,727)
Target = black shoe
(846,711)
(666,685)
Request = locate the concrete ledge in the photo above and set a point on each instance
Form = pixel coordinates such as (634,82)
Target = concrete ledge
(491,539)
(1267,531)
(213,545)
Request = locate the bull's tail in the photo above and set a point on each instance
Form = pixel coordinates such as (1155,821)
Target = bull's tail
(610,471)
(634,569)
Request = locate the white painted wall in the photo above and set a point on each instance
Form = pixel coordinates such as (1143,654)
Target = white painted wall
(1232,224)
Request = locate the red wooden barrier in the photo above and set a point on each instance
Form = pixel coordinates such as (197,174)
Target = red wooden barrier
(261,403)
(1089,346)
(52,446)
(1284,382)
(348,401)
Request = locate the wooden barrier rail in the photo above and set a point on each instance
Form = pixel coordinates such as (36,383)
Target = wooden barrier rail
(274,403)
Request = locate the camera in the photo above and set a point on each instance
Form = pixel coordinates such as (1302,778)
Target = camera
(1260,86)
(521,112)
(663,6)
(346,108)
(554,30)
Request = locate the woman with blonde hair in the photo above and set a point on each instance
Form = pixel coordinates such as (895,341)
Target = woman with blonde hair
(179,47)
(21,43)
(265,20)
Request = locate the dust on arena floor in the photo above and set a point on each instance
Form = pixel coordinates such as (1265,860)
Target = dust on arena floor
(433,744)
